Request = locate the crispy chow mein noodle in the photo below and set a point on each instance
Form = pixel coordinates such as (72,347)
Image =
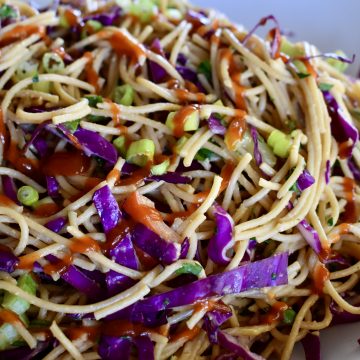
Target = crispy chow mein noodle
(172,186)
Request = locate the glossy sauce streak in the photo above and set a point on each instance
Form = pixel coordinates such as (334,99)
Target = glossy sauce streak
(142,213)
(115,235)
(59,266)
(84,244)
(136,177)
(113,175)
(66,164)
(20,32)
(91,74)
(16,157)
(5,201)
(235,132)
(26,262)
(126,328)
(71,17)
(181,117)
(320,275)
(7,316)
(122,44)
(209,305)
(186,334)
(345,149)
(3,131)
(350,214)
(115,112)
(275,314)
(90,332)
(45,210)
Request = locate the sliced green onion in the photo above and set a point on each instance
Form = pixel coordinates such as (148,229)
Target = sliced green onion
(205,154)
(39,323)
(52,63)
(189,268)
(120,144)
(337,64)
(94,25)
(301,69)
(43,86)
(141,152)
(27,195)
(7,12)
(27,69)
(180,144)
(290,49)
(205,68)
(94,100)
(325,87)
(124,95)
(8,335)
(35,78)
(72,125)
(280,143)
(144,10)
(289,316)
(191,122)
(161,168)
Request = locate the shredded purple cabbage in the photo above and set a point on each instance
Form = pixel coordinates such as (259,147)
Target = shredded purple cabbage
(305,180)
(56,225)
(220,243)
(114,347)
(106,18)
(9,188)
(107,208)
(185,246)
(342,128)
(354,169)
(212,322)
(145,347)
(331,56)
(215,125)
(257,153)
(327,172)
(8,260)
(52,186)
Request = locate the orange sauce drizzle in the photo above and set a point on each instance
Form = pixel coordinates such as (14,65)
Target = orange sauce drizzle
(91,74)
(113,175)
(59,266)
(115,113)
(5,201)
(320,275)
(350,215)
(76,332)
(186,334)
(20,32)
(46,210)
(7,316)
(181,117)
(122,44)
(66,164)
(275,313)
(235,132)
(84,244)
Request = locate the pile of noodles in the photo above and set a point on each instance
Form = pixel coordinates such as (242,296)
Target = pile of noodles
(230,232)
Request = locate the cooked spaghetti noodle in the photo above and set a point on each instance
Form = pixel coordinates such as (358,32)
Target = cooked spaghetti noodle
(173,186)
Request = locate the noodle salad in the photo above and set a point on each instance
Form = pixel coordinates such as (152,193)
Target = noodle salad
(172,185)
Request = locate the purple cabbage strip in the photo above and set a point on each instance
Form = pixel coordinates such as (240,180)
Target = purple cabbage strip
(215,125)
(182,59)
(221,240)
(116,283)
(114,347)
(190,75)
(331,56)
(8,260)
(157,73)
(327,172)
(76,278)
(25,353)
(354,169)
(185,246)
(94,144)
(257,153)
(233,344)
(311,345)
(227,356)
(56,225)
(106,18)
(342,128)
(263,22)
(212,322)
(165,251)
(35,135)
(52,186)
(273,272)
(171,178)
(341,316)
(145,347)
(9,188)
(311,236)
(305,180)
(107,208)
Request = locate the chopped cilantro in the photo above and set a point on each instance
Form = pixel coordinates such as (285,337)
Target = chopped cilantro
(72,125)
(204,154)
(205,68)
(289,316)
(35,78)
(166,302)
(330,222)
(273,276)
(325,87)
(302,75)
(94,100)
(7,11)
(189,268)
